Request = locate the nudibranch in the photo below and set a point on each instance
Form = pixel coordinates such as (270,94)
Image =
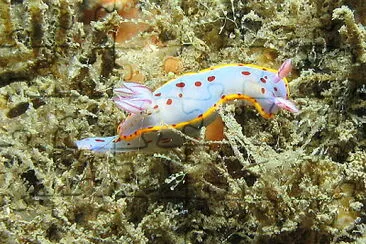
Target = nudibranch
(159,119)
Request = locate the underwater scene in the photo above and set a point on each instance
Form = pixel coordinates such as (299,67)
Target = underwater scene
(182,121)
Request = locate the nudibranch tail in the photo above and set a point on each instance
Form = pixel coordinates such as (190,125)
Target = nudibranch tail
(97,144)
(133,97)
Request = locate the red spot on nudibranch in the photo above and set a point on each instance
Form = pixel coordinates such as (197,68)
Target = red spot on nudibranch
(211,78)
(266,77)
(180,95)
(200,116)
(263,80)
(180,84)
(240,64)
(198,83)
(223,96)
(169,101)
(264,69)
(275,89)
(156,107)
(158,94)
(245,72)
(263,90)
(99,140)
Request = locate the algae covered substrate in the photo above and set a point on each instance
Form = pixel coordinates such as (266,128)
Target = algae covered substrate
(296,178)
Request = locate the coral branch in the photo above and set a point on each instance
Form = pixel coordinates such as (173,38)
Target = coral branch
(353,34)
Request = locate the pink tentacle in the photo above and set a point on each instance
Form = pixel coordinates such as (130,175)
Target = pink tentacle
(284,70)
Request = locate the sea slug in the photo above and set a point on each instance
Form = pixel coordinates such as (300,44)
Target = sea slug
(188,103)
